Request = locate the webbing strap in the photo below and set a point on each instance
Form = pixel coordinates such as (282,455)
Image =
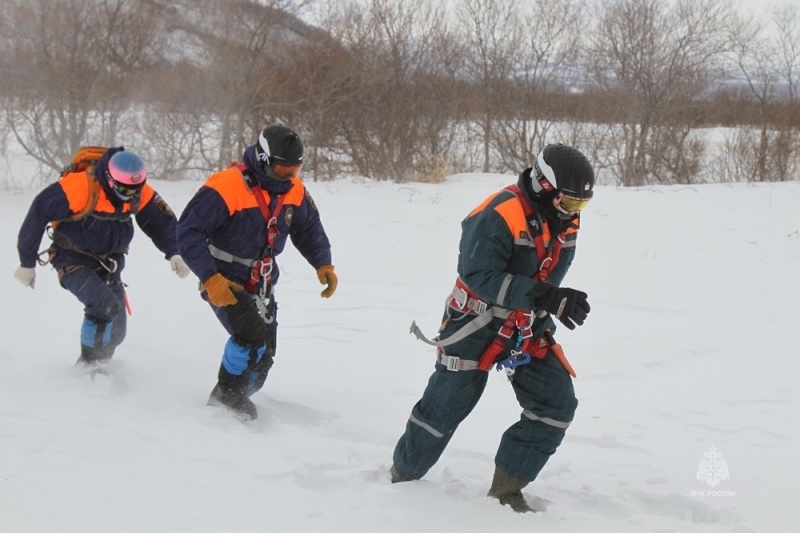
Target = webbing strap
(455,364)
(547,258)
(462,299)
(471,327)
(228,257)
(261,272)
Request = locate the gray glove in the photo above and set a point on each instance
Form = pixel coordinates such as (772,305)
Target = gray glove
(179,266)
(26,276)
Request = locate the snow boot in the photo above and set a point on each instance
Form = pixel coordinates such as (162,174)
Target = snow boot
(233,399)
(95,354)
(508,489)
(396,477)
(93,361)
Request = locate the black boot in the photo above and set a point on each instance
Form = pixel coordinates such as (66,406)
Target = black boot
(233,399)
(95,354)
(396,477)
(93,361)
(231,392)
(508,489)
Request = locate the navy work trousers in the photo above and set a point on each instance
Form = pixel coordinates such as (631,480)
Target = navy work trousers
(104,320)
(248,355)
(544,391)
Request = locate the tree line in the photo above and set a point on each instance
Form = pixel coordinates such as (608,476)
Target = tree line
(413,90)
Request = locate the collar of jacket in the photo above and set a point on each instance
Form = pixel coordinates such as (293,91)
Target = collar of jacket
(543,203)
(271,185)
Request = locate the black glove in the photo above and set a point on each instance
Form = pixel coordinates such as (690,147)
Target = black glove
(568,305)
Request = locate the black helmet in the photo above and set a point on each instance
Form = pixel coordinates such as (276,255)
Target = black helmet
(279,144)
(562,168)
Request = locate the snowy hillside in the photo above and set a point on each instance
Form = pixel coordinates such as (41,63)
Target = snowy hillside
(688,362)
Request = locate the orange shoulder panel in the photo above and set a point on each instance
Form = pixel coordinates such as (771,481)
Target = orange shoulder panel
(76,187)
(296,193)
(514,216)
(147,194)
(104,205)
(483,204)
(230,185)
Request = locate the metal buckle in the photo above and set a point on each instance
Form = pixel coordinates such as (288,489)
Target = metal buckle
(112,265)
(479,306)
(453,363)
(266,268)
(460,298)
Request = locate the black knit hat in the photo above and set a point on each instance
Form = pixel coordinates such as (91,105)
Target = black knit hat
(279,144)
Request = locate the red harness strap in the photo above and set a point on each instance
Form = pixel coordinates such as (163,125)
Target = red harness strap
(261,273)
(521,320)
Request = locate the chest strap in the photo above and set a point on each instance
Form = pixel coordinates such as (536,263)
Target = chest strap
(222,255)
(260,281)
(520,320)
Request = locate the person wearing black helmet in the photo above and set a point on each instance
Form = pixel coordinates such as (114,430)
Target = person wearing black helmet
(515,250)
(230,234)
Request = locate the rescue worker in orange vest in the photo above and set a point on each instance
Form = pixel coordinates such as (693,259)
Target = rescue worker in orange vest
(515,249)
(230,234)
(90,242)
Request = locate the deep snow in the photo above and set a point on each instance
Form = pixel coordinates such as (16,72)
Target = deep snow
(691,348)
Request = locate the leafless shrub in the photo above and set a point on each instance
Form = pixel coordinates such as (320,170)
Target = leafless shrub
(76,62)
(406,90)
(656,57)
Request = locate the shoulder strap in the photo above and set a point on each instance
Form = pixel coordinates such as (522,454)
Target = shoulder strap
(527,207)
(91,202)
(94,194)
(547,257)
(272,226)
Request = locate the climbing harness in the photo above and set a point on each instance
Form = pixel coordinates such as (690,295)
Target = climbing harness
(62,242)
(259,283)
(519,321)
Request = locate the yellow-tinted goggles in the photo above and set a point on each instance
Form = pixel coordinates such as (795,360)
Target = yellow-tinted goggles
(573,205)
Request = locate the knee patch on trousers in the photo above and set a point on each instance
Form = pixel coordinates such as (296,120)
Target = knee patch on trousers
(248,327)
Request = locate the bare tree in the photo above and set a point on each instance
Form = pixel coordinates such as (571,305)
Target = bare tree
(493,38)
(76,64)
(543,64)
(392,121)
(323,81)
(767,55)
(244,84)
(657,57)
(398,90)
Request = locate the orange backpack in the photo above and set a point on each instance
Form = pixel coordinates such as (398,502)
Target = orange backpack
(83,161)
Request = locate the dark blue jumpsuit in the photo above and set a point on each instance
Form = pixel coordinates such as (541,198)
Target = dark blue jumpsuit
(89,253)
(498,262)
(223,230)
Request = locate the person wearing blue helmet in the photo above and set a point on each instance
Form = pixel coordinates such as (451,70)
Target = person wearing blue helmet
(88,213)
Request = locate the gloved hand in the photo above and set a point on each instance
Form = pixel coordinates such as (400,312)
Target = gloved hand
(26,276)
(327,277)
(179,266)
(568,305)
(219,290)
